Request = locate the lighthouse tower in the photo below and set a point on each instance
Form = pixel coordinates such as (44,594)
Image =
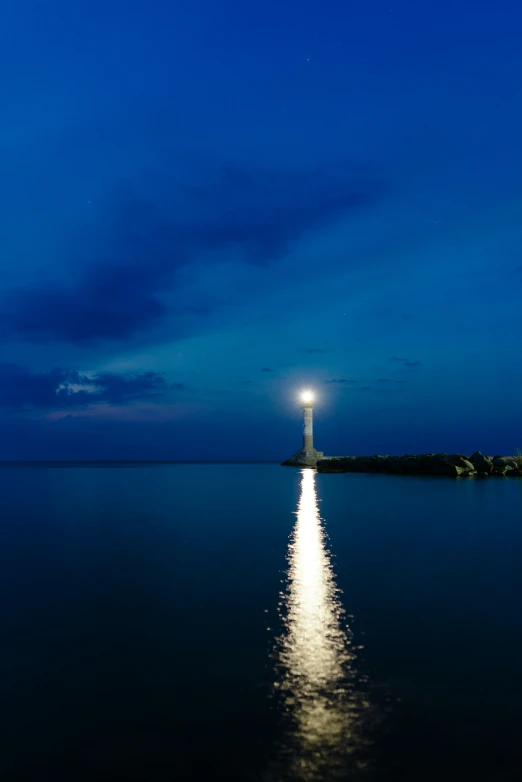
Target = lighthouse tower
(307,406)
(307,456)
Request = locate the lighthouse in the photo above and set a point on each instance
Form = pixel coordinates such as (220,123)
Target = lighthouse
(307,406)
(307,456)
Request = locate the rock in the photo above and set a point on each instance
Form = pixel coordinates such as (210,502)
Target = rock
(482,464)
(506,465)
(503,469)
(463,465)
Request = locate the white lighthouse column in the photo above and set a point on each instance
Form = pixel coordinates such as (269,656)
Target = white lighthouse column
(308,429)
(307,456)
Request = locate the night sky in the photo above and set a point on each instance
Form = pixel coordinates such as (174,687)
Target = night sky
(208,206)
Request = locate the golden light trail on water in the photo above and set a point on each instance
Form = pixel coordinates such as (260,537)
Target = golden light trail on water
(315,655)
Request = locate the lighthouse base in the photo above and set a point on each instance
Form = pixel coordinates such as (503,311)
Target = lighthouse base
(304,458)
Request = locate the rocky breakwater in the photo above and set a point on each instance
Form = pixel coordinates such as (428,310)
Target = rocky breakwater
(454,465)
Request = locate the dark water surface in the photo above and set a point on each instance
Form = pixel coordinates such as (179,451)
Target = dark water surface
(178,622)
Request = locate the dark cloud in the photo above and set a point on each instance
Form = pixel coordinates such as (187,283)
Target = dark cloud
(151,234)
(406,362)
(366,388)
(263,211)
(267,369)
(21,389)
(383,380)
(340,380)
(401,381)
(107,304)
(120,389)
(317,350)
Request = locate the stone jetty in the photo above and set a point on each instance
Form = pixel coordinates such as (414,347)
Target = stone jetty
(455,465)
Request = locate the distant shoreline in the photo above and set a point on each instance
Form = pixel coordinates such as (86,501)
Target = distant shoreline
(121,462)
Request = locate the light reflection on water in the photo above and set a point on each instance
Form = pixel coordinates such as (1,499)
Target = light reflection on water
(317,680)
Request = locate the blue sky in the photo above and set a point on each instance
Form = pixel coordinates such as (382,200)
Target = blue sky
(209,206)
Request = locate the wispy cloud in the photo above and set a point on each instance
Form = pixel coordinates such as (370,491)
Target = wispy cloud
(340,380)
(267,369)
(406,362)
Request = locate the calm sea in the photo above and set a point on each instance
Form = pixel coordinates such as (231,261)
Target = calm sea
(257,623)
